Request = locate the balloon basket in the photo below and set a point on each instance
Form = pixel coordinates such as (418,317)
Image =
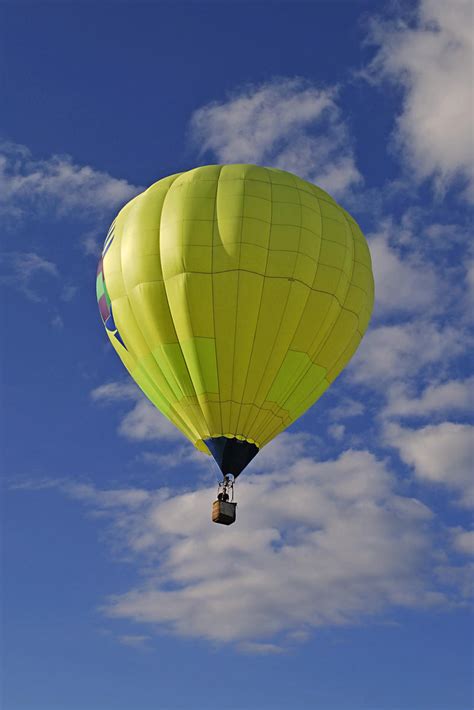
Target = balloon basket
(224,512)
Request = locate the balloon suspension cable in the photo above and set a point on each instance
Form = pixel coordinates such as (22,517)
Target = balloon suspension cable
(225,488)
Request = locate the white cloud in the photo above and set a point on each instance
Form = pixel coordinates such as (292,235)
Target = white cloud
(143,422)
(470,279)
(134,641)
(436,399)
(283,451)
(459,577)
(440,454)
(35,484)
(115,392)
(463,540)
(404,283)
(431,58)
(24,270)
(91,243)
(32,275)
(55,185)
(261,649)
(57,321)
(68,292)
(346,408)
(178,456)
(337,431)
(447,235)
(396,352)
(316,543)
(128,498)
(284,123)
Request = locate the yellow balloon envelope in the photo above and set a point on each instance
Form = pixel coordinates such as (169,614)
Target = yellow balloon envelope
(234,295)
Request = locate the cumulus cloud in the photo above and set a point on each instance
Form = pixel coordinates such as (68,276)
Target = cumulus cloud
(178,456)
(115,392)
(463,540)
(91,243)
(459,577)
(285,123)
(126,498)
(391,353)
(470,279)
(141,423)
(435,400)
(25,271)
(139,641)
(346,408)
(430,57)
(441,454)
(405,283)
(337,431)
(145,423)
(443,236)
(56,185)
(316,543)
(283,451)
(261,649)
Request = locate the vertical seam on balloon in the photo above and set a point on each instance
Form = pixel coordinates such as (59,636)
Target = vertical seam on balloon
(310,395)
(271,414)
(187,420)
(119,241)
(292,386)
(169,308)
(340,304)
(175,379)
(201,403)
(341,308)
(179,417)
(247,423)
(132,312)
(279,427)
(197,425)
(216,226)
(343,354)
(237,312)
(358,330)
(276,430)
(305,371)
(261,294)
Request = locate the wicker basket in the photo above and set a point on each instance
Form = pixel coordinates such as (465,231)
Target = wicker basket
(223,512)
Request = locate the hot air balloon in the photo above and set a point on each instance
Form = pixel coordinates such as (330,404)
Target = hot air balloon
(234,295)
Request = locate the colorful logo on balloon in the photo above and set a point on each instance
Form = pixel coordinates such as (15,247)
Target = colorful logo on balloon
(103,298)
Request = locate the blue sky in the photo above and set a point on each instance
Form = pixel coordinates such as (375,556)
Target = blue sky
(345,584)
